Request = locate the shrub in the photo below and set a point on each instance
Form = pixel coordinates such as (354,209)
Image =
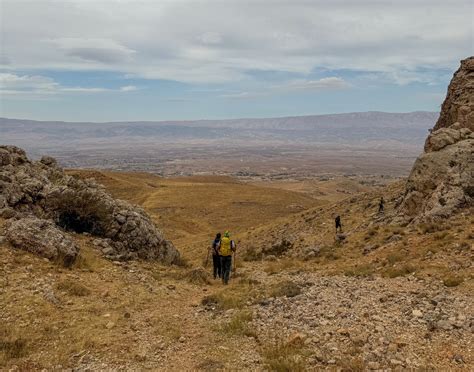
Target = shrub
(284,357)
(452,281)
(360,271)
(198,276)
(403,270)
(73,288)
(13,349)
(286,289)
(395,257)
(239,325)
(223,301)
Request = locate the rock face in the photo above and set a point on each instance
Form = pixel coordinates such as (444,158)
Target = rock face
(442,179)
(43,190)
(42,237)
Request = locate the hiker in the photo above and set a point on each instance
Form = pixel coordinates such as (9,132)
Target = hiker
(216,258)
(226,248)
(381,205)
(338,223)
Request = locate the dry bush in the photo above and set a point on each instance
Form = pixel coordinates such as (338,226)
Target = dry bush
(371,233)
(394,272)
(360,271)
(251,254)
(395,257)
(223,301)
(285,289)
(12,346)
(239,325)
(73,288)
(274,267)
(284,357)
(182,262)
(452,281)
(431,227)
(248,281)
(329,253)
(198,276)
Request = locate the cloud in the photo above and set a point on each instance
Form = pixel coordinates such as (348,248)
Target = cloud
(217,42)
(328,83)
(12,84)
(27,83)
(324,83)
(128,88)
(105,51)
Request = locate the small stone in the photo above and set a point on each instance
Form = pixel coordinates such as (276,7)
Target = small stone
(417,313)
(171,287)
(373,365)
(110,325)
(182,339)
(127,315)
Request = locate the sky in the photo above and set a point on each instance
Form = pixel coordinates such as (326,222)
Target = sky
(123,60)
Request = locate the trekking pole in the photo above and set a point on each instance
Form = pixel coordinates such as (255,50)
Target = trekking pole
(235,268)
(207,259)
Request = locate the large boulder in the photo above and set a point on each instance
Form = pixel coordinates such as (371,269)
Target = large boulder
(43,190)
(442,179)
(43,238)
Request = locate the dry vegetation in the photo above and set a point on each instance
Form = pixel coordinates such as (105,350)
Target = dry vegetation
(141,315)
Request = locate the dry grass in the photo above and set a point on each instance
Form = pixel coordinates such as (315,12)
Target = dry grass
(364,270)
(396,271)
(239,325)
(284,357)
(224,300)
(198,276)
(453,281)
(283,264)
(285,289)
(12,345)
(73,288)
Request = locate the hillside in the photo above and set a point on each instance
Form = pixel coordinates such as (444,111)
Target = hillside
(86,317)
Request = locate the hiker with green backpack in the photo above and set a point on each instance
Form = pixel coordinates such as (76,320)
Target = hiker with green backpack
(226,249)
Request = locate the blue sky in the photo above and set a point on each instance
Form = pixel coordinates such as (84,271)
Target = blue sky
(161,60)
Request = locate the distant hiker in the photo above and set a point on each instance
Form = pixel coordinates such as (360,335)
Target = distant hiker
(381,205)
(338,223)
(226,248)
(216,258)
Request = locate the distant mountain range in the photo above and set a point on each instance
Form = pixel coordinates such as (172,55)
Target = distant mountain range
(352,129)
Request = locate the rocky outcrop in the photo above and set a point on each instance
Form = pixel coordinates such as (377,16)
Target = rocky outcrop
(43,238)
(43,190)
(442,179)
(458,107)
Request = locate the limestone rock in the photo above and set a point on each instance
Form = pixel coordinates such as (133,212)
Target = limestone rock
(442,178)
(458,106)
(43,238)
(43,190)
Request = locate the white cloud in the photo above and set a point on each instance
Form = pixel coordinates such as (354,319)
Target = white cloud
(221,41)
(328,83)
(105,51)
(324,83)
(14,85)
(128,88)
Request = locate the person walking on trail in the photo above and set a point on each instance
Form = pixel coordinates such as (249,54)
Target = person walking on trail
(216,258)
(381,205)
(338,223)
(226,248)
